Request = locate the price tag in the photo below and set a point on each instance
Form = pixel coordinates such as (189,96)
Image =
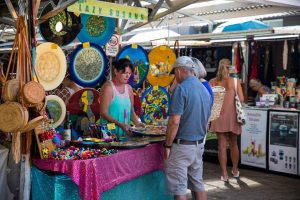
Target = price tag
(111,126)
(86,44)
(134,46)
(155,87)
(54,46)
(77,14)
(163,47)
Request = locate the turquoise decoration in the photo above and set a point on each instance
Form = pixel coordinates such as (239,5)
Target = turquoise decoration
(155,104)
(88,65)
(95,30)
(139,58)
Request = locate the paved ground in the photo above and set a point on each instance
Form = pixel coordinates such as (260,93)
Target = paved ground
(253,185)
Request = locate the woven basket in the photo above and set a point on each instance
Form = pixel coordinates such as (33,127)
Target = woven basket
(33,93)
(13,117)
(219,94)
(10,90)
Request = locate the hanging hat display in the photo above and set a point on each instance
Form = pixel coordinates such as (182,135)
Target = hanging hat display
(51,65)
(161,63)
(56,109)
(139,58)
(96,29)
(62,28)
(88,65)
(155,104)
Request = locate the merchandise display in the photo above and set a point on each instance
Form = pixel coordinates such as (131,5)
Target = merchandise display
(60,29)
(51,65)
(155,104)
(56,108)
(88,65)
(161,60)
(96,29)
(139,58)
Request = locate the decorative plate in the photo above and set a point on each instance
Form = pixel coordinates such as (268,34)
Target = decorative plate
(84,109)
(56,109)
(155,104)
(139,58)
(51,65)
(62,28)
(128,144)
(88,65)
(96,29)
(161,60)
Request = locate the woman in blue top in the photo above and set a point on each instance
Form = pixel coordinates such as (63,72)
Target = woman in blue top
(116,99)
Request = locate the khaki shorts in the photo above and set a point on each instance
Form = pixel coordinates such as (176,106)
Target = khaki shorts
(184,169)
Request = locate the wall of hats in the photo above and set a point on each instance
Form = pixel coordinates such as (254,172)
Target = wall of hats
(87,66)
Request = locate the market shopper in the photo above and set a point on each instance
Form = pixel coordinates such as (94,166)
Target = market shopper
(188,117)
(199,72)
(226,126)
(116,99)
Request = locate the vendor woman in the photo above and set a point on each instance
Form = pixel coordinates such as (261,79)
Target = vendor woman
(116,99)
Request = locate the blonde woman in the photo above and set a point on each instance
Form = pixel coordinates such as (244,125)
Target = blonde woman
(226,126)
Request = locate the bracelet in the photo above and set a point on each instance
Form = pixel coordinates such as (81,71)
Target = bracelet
(167,146)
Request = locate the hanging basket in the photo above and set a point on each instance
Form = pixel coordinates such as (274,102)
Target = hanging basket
(33,93)
(13,117)
(10,90)
(219,94)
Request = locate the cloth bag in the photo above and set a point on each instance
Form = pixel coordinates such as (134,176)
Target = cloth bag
(240,114)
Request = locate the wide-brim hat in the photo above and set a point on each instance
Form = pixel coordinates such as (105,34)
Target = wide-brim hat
(56,108)
(51,65)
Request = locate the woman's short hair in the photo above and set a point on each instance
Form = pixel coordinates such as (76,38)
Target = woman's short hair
(122,63)
(200,70)
(222,71)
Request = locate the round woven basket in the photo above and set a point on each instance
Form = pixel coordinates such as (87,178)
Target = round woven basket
(10,90)
(219,94)
(33,93)
(13,116)
(33,123)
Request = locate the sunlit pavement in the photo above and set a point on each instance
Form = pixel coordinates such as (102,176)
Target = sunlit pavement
(252,185)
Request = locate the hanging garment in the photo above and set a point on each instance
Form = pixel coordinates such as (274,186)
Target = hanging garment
(285,55)
(238,59)
(254,67)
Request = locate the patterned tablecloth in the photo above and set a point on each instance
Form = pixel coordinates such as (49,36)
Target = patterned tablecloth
(94,176)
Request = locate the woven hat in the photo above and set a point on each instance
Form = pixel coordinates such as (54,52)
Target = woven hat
(51,65)
(184,62)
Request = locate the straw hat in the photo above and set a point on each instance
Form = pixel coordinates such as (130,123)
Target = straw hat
(56,108)
(51,65)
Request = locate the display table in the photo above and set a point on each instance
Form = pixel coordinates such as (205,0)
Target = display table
(95,176)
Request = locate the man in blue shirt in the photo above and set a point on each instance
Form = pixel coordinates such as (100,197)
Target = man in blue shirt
(188,117)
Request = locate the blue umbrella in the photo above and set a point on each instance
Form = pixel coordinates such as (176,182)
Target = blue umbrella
(238,25)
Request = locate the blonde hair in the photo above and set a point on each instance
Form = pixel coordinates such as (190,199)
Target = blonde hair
(222,71)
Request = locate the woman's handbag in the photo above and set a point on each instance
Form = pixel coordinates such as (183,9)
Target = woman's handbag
(238,106)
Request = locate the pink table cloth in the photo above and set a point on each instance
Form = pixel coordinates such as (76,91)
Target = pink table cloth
(94,176)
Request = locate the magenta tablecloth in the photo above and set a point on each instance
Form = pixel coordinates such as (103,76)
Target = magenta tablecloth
(94,176)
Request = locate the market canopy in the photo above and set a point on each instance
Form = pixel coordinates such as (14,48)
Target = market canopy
(240,25)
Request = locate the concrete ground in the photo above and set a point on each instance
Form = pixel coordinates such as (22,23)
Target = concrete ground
(252,185)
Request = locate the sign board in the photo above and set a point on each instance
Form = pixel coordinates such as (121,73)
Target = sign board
(283,134)
(254,138)
(112,47)
(107,9)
